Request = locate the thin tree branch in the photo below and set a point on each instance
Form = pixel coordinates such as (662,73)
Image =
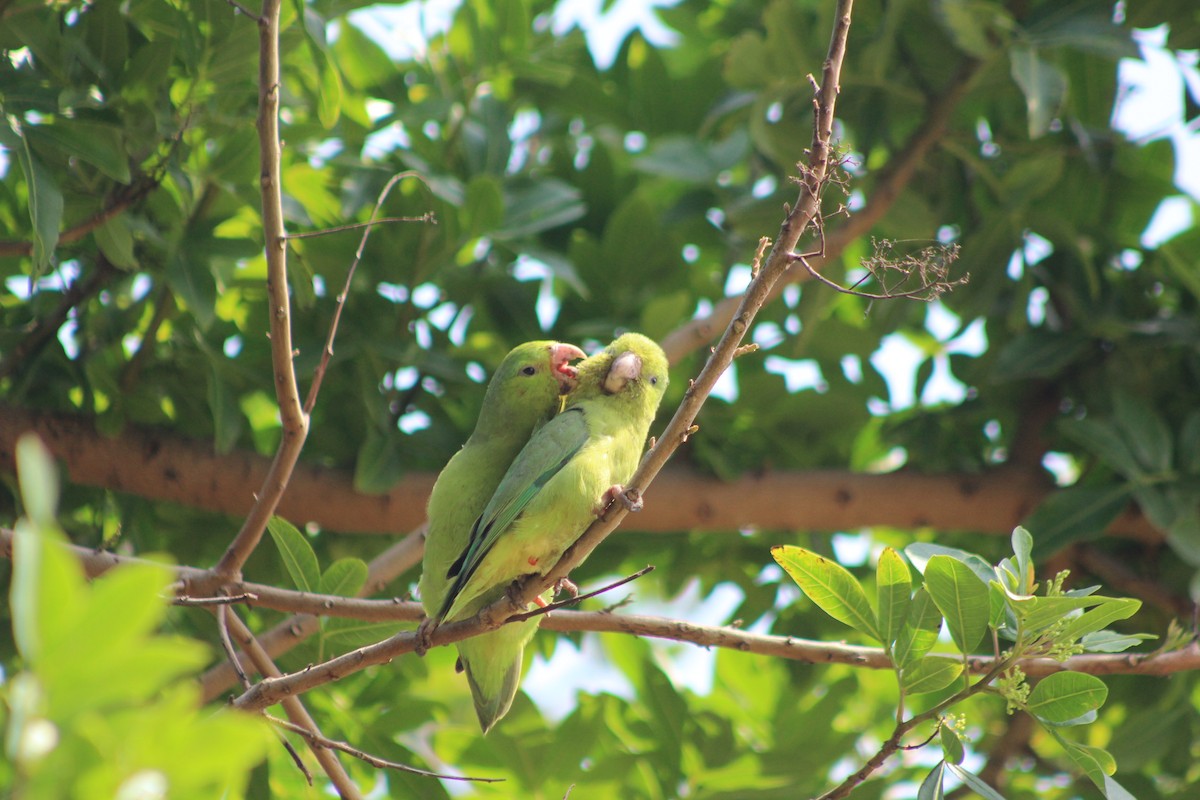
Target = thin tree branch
(292,416)
(374,761)
(428,216)
(124,198)
(327,351)
(200,602)
(887,187)
(295,710)
(282,637)
(46,328)
(571,601)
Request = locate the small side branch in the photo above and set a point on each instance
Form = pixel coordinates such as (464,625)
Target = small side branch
(330,744)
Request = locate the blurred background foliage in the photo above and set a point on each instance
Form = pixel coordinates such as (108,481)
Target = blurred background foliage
(589,176)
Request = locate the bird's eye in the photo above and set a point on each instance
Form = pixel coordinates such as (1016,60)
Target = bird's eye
(654,380)
(529,371)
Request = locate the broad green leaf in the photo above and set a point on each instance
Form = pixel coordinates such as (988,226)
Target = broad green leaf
(344,577)
(539,206)
(1113,642)
(1062,697)
(920,631)
(96,143)
(974,782)
(1144,430)
(38,475)
(297,553)
(919,554)
(930,674)
(48,590)
(973,24)
(1077,513)
(1022,543)
(1043,84)
(1099,618)
(329,107)
(340,634)
(931,787)
(115,241)
(484,208)
(1039,613)
(1189,444)
(379,464)
(192,281)
(961,597)
(228,421)
(831,586)
(893,594)
(1184,537)
(1040,354)
(45,199)
(1103,439)
(952,746)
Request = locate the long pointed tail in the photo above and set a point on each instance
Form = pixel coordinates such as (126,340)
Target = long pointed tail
(493,665)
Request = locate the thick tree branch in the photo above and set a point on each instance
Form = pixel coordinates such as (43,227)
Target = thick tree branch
(287,392)
(152,464)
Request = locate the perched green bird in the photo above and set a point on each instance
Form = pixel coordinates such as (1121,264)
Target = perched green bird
(554,489)
(523,394)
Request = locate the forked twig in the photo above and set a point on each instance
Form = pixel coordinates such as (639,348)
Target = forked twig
(327,350)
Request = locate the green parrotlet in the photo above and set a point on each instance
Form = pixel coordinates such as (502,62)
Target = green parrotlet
(555,487)
(522,394)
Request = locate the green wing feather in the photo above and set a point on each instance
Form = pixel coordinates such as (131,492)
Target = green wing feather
(550,449)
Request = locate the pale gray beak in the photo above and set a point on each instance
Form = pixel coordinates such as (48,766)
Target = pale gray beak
(625,368)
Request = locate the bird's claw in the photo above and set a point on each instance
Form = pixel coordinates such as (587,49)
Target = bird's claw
(566,585)
(424,636)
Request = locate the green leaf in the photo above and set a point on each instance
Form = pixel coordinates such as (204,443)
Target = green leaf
(344,577)
(1144,429)
(98,144)
(45,198)
(48,590)
(192,281)
(535,207)
(930,674)
(329,107)
(378,466)
(952,746)
(920,631)
(1112,642)
(961,597)
(1039,613)
(831,586)
(1099,618)
(972,24)
(919,554)
(931,787)
(1063,697)
(228,421)
(116,242)
(1103,439)
(297,553)
(975,783)
(1184,537)
(1078,513)
(38,476)
(893,594)
(1022,544)
(484,207)
(1040,354)
(1044,86)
